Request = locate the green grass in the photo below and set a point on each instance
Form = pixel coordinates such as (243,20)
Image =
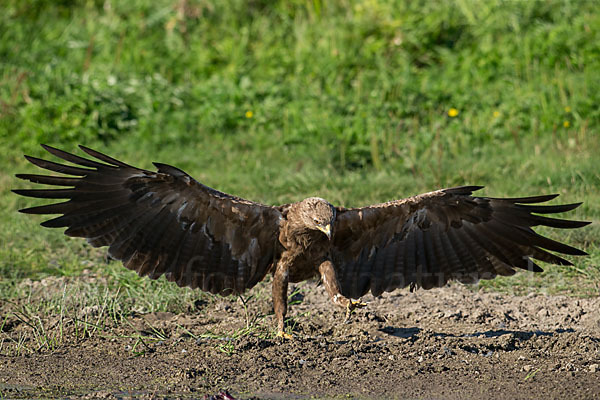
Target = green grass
(349,101)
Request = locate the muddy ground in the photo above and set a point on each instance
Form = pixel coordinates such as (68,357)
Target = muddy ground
(449,343)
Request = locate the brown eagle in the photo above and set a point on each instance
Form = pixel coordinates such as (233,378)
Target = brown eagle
(167,223)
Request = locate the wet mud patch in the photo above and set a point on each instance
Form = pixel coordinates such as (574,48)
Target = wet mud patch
(445,343)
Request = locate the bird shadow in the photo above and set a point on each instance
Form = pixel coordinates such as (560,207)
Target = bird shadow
(405,333)
(413,333)
(518,334)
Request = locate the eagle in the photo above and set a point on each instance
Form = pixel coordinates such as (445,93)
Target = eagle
(164,222)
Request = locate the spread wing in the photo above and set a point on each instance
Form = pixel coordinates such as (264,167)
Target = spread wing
(162,222)
(429,239)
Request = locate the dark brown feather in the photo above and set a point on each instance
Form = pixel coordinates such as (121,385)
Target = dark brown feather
(446,234)
(161,222)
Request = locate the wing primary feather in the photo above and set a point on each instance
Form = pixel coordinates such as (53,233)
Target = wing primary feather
(50,180)
(46,193)
(543,255)
(78,208)
(526,200)
(61,168)
(462,190)
(528,236)
(107,159)
(554,245)
(74,159)
(505,239)
(549,209)
(56,208)
(557,222)
(79,221)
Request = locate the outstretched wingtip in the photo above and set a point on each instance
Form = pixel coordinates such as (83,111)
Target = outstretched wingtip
(473,188)
(20,192)
(54,150)
(464,190)
(103,157)
(31,159)
(16,191)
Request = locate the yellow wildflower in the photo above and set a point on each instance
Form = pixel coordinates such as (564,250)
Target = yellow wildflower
(566,124)
(567,109)
(496,114)
(453,112)
(249,114)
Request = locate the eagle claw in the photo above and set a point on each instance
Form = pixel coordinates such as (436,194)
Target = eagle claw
(352,305)
(284,335)
(356,304)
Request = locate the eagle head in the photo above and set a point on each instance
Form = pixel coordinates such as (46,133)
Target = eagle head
(317,214)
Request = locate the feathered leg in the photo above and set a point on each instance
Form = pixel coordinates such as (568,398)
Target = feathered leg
(329,278)
(280,286)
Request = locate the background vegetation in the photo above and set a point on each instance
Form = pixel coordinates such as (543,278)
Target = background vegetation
(354,101)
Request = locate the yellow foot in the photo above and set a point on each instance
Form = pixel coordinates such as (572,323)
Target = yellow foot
(354,304)
(283,335)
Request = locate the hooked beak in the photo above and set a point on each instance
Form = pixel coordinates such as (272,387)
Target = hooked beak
(326,230)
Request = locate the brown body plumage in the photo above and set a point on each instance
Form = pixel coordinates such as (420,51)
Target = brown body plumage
(166,223)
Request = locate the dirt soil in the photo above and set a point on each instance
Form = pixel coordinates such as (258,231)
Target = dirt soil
(449,343)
